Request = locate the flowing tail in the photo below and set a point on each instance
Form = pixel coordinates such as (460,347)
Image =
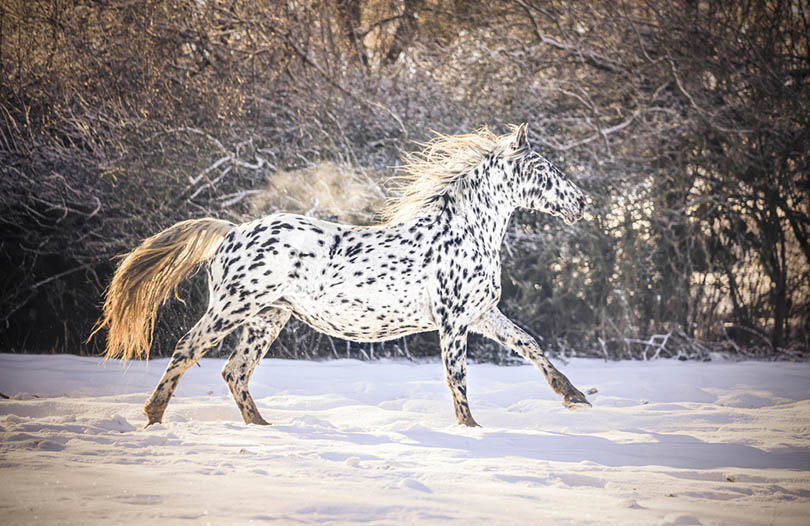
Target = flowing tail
(147,276)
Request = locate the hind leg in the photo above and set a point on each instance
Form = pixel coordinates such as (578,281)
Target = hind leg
(495,326)
(259,333)
(190,348)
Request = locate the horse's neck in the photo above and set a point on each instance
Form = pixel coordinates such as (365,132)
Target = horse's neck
(477,209)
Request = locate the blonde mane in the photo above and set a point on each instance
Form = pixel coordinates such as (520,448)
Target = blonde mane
(429,173)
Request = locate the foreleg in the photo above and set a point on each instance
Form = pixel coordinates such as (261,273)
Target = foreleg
(454,357)
(496,326)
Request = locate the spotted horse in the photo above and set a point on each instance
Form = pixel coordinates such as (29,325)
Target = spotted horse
(434,264)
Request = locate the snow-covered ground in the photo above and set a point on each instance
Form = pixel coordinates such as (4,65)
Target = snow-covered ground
(375,443)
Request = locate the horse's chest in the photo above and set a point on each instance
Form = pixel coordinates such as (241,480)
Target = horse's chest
(486,287)
(471,286)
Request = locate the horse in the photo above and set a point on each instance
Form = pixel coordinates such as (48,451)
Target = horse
(433,264)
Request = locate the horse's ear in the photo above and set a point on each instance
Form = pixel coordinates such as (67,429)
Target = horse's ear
(521,139)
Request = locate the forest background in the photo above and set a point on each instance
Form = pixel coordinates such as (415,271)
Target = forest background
(688,122)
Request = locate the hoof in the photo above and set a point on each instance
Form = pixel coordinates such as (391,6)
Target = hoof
(259,421)
(155,417)
(470,422)
(577,404)
(152,421)
(251,416)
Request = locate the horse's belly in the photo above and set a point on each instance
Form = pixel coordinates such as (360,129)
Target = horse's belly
(374,318)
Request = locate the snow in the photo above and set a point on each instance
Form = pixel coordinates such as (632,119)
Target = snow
(666,442)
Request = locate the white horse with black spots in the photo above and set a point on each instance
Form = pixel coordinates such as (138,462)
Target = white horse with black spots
(433,265)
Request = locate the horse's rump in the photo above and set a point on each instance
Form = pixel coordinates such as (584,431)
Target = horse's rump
(147,276)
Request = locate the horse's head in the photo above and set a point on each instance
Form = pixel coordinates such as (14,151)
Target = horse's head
(539,185)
